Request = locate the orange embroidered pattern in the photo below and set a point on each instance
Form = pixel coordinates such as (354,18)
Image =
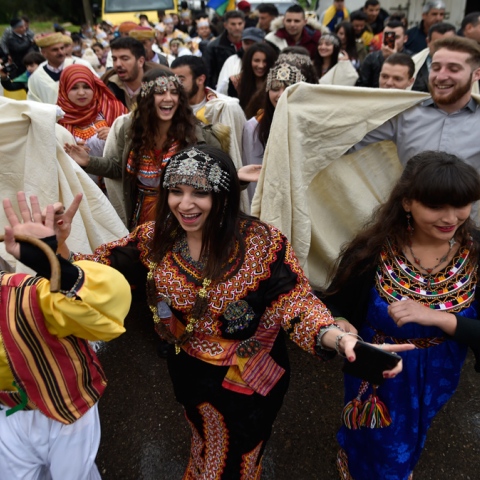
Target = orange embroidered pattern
(216,442)
(251,468)
(196,463)
(88,132)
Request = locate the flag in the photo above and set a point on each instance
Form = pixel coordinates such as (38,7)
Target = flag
(221,6)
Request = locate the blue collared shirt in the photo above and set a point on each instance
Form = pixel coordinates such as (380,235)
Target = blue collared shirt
(427,127)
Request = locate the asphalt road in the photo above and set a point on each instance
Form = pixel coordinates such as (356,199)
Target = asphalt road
(145,437)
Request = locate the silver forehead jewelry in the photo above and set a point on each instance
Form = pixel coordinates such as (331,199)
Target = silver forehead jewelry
(329,38)
(286,74)
(159,85)
(197,169)
(296,59)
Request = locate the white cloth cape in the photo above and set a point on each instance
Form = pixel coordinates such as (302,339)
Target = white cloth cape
(343,73)
(227,111)
(316,196)
(32,159)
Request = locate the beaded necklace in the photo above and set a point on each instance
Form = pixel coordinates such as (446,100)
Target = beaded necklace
(429,270)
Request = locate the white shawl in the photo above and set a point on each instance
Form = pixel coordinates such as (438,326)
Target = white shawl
(32,159)
(316,197)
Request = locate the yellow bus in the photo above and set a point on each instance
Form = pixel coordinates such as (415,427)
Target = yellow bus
(118,11)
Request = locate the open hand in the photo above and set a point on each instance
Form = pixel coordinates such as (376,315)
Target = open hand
(249,173)
(78,153)
(31,222)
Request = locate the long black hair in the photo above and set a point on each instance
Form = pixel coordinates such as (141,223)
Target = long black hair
(431,178)
(247,88)
(223,245)
(318,60)
(350,42)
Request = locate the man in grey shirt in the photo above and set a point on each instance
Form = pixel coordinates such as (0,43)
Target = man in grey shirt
(449,121)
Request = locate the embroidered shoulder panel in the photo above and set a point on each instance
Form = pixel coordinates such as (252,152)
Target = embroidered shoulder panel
(179,280)
(143,235)
(300,312)
(452,289)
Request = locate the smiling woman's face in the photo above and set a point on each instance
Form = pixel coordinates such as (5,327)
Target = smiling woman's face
(167,103)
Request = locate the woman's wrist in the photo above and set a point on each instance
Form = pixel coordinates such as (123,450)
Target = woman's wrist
(63,251)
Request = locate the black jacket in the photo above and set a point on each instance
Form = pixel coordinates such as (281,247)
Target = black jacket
(369,72)
(217,52)
(421,80)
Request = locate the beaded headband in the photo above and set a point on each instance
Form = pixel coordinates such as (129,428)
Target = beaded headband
(159,85)
(285,73)
(296,59)
(330,39)
(197,169)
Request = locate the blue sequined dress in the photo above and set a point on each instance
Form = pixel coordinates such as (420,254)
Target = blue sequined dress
(430,373)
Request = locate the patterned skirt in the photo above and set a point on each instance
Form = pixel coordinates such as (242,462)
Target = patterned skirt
(229,429)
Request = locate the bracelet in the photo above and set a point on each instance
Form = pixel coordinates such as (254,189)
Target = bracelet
(339,338)
(322,332)
(72,293)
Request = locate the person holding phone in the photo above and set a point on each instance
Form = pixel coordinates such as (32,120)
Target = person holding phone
(409,277)
(225,290)
(394,38)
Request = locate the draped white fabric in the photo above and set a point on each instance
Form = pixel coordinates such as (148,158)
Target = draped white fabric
(32,159)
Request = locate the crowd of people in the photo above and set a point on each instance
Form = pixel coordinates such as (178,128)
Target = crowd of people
(176,122)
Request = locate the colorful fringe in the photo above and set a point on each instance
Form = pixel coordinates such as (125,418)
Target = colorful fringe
(372,413)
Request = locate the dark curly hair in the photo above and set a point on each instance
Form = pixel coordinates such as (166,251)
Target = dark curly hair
(146,124)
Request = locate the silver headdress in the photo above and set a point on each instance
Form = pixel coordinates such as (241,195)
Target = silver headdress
(329,38)
(296,59)
(285,74)
(159,85)
(197,169)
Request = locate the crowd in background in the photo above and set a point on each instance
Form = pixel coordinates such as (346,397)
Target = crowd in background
(139,98)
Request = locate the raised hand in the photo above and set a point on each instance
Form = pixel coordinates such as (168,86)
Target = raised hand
(249,173)
(31,222)
(63,218)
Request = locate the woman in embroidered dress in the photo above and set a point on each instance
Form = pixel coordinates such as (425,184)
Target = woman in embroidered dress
(410,277)
(224,289)
(141,144)
(90,108)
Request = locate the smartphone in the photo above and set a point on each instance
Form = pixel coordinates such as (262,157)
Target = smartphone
(370,363)
(389,39)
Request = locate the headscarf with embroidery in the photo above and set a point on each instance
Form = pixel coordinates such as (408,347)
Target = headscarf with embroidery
(104,101)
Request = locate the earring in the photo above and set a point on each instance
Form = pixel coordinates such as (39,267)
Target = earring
(409,225)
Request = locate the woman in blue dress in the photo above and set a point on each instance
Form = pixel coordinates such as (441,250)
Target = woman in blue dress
(409,277)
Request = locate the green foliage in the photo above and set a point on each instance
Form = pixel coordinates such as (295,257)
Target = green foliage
(43,10)
(43,27)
